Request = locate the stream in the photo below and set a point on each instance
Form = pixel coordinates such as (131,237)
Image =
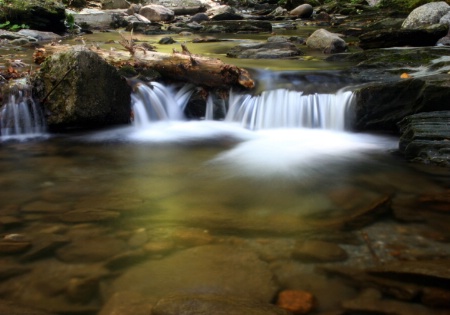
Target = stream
(96,222)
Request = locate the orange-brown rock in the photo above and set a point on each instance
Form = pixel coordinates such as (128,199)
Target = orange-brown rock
(296,301)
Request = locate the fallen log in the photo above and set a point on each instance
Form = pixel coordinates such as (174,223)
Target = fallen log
(180,66)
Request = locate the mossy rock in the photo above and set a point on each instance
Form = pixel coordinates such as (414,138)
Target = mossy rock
(42,15)
(405,6)
(80,90)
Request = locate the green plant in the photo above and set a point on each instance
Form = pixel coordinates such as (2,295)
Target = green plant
(70,22)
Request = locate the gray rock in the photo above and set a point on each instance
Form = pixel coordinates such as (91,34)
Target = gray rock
(318,251)
(237,26)
(39,35)
(93,250)
(427,14)
(82,91)
(213,304)
(224,13)
(114,4)
(273,49)
(155,12)
(380,106)
(199,17)
(419,37)
(302,11)
(326,41)
(97,19)
(426,137)
(211,269)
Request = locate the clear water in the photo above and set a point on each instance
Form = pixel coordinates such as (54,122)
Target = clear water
(179,185)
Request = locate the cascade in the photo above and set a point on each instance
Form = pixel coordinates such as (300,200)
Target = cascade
(280,108)
(21,115)
(157,102)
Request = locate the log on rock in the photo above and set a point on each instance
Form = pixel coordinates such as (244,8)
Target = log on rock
(184,66)
(180,66)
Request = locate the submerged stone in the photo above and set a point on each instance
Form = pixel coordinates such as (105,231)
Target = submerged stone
(318,251)
(212,269)
(213,304)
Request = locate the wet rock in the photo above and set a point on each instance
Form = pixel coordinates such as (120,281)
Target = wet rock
(302,11)
(244,26)
(360,279)
(180,7)
(434,273)
(296,301)
(9,270)
(357,211)
(82,90)
(426,14)
(192,237)
(38,15)
(13,308)
(370,301)
(97,19)
(13,246)
(326,41)
(159,247)
(380,106)
(224,13)
(40,36)
(213,304)
(422,36)
(272,49)
(45,287)
(214,269)
(114,4)
(199,17)
(157,13)
(10,221)
(436,297)
(425,138)
(45,207)
(44,245)
(124,260)
(94,249)
(126,303)
(88,215)
(318,252)
(82,290)
(166,41)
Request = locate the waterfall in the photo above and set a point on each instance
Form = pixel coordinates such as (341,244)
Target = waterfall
(20,115)
(280,108)
(157,102)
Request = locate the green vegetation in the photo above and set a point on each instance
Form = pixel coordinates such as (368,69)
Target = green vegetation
(14,27)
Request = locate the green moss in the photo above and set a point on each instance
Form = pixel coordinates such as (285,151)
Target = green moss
(404,5)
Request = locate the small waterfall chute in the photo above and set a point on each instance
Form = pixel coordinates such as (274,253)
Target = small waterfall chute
(20,115)
(157,102)
(291,109)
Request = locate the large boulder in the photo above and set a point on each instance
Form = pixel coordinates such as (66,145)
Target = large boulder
(326,41)
(80,90)
(99,19)
(418,37)
(427,14)
(426,137)
(381,105)
(37,15)
(156,13)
